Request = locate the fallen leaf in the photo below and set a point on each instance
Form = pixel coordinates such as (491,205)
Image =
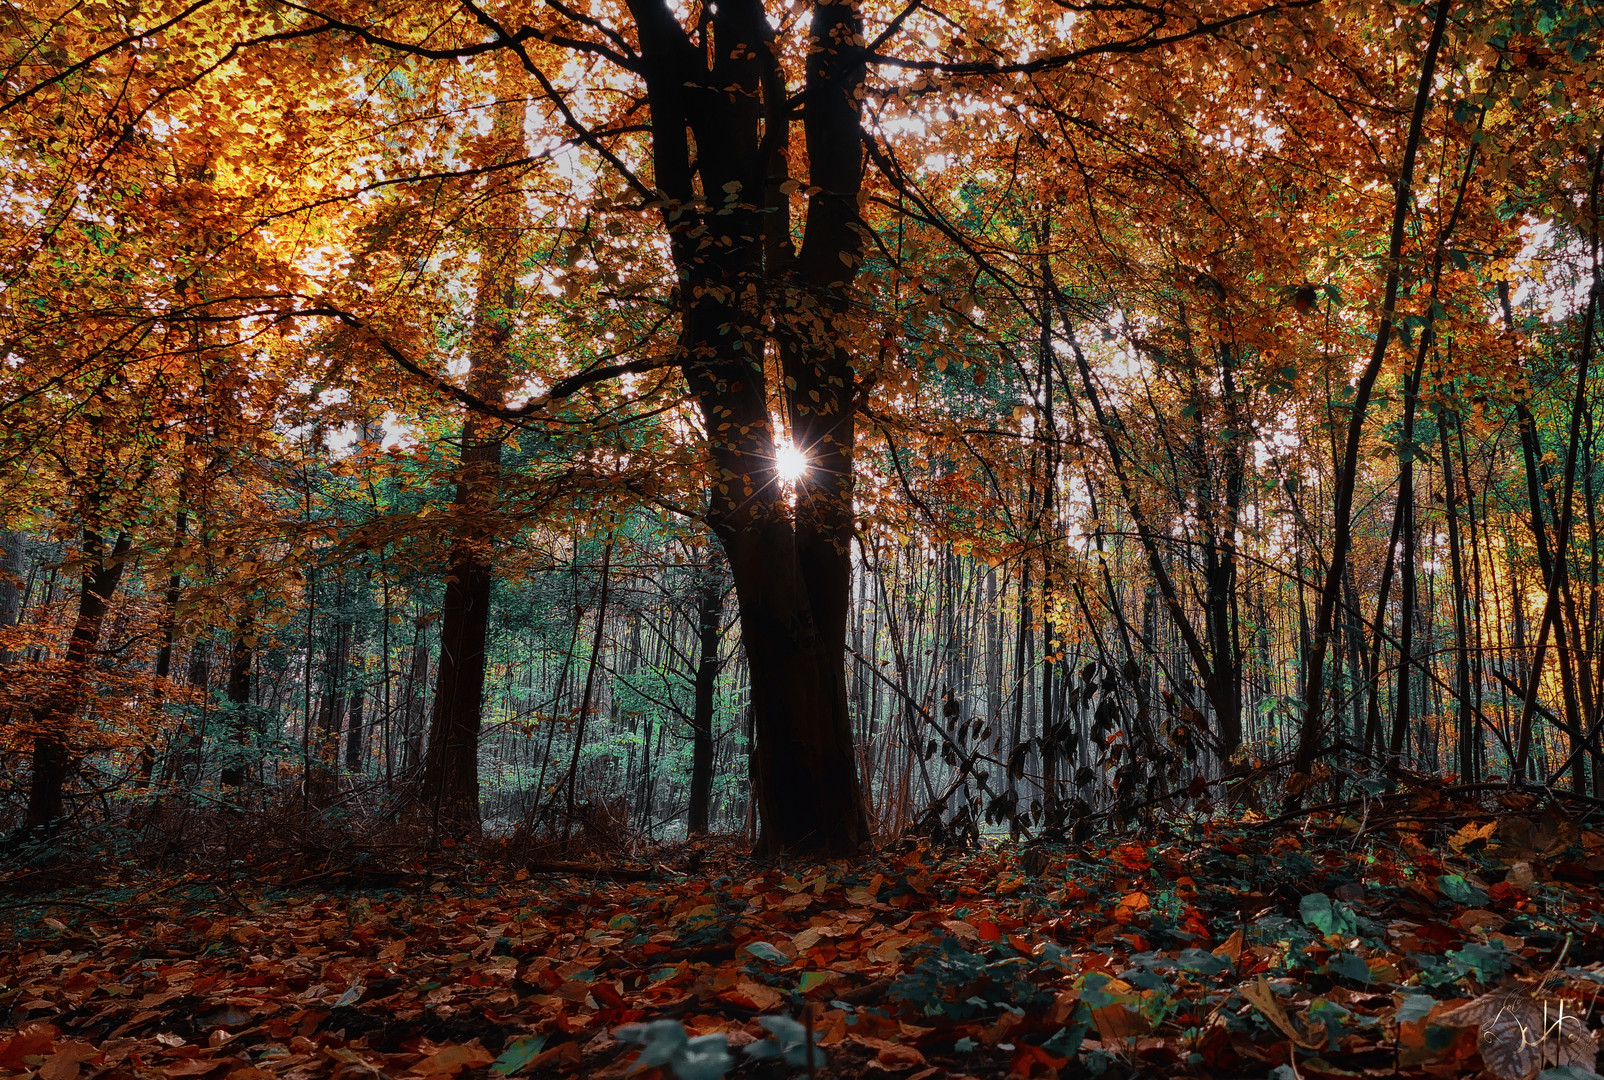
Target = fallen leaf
(30,1041)
(1264,999)
(64,1063)
(1231,948)
(451,1060)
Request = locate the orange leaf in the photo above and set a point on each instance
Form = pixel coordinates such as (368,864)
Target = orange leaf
(890,1056)
(194,1067)
(1030,1061)
(1231,948)
(752,995)
(1119,1022)
(453,1059)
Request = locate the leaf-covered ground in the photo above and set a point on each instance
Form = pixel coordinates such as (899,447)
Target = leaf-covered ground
(1308,950)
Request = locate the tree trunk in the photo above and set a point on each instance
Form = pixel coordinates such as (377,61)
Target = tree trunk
(451,761)
(743,283)
(353,731)
(1347,475)
(240,722)
(12,545)
(710,604)
(416,703)
(1469,733)
(52,755)
(590,682)
(450,783)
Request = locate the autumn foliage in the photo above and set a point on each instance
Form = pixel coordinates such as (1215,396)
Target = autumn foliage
(755,453)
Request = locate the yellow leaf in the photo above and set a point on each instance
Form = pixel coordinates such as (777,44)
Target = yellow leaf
(1469,834)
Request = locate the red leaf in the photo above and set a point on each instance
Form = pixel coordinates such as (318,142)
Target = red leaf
(27,1043)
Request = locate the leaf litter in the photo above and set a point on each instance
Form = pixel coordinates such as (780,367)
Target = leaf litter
(1429,948)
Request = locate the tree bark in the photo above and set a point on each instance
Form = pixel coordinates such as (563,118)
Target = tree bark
(12,546)
(52,752)
(710,604)
(450,781)
(451,761)
(241,723)
(739,271)
(1348,473)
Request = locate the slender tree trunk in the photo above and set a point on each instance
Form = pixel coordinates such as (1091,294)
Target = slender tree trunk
(710,604)
(164,655)
(354,732)
(1348,474)
(590,682)
(12,546)
(1469,733)
(1567,503)
(241,658)
(1409,534)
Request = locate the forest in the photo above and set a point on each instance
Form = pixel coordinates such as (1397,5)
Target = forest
(684,538)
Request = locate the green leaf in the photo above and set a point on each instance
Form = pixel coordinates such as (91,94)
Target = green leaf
(1415,1007)
(1318,911)
(706,1057)
(811,979)
(767,953)
(1066,1042)
(519,1053)
(1484,961)
(1567,1072)
(1204,963)
(1349,966)
(1460,891)
(660,1041)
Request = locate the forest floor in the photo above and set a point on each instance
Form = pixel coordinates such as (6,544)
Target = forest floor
(1356,942)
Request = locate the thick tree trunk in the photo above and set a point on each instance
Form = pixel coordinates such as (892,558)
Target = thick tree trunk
(807,781)
(743,284)
(451,761)
(450,782)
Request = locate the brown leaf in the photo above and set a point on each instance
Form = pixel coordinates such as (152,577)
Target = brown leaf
(1469,834)
(1264,999)
(890,1056)
(752,995)
(451,1060)
(1520,1034)
(1117,1021)
(1231,947)
(63,1064)
(195,1067)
